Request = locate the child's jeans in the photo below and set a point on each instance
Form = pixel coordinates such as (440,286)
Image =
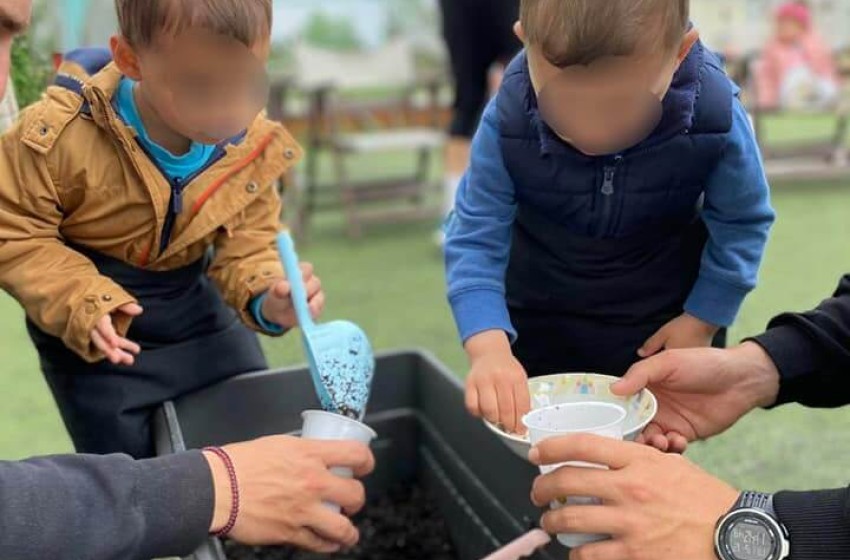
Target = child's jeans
(190,339)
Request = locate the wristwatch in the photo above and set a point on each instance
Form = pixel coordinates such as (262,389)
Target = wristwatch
(752,531)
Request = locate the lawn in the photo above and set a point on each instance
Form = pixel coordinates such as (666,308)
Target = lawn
(391,283)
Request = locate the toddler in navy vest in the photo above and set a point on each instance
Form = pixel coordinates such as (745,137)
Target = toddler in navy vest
(615,206)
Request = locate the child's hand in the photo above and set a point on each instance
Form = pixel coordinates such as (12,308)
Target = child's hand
(118,350)
(278,308)
(497,386)
(685,331)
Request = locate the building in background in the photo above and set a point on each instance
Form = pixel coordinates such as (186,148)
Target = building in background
(361,23)
(727,25)
(70,24)
(742,26)
(354,24)
(8,109)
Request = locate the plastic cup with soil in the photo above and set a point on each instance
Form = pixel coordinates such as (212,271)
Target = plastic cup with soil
(327,426)
(602,419)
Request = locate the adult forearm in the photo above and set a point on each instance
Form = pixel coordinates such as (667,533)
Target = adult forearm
(104,508)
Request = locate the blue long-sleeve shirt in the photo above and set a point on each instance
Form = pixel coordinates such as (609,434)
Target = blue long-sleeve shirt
(737,212)
(173,166)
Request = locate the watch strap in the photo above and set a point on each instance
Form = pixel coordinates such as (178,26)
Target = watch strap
(756,500)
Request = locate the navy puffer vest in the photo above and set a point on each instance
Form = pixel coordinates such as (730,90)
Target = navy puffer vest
(616,239)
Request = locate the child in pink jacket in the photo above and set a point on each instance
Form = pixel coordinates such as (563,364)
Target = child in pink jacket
(797,69)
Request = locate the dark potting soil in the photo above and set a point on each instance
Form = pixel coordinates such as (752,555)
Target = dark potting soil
(404,525)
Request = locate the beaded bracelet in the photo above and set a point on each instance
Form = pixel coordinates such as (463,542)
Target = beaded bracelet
(234,490)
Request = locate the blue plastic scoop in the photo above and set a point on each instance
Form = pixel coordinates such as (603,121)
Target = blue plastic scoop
(341,359)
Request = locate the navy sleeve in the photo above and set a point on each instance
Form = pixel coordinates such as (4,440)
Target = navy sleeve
(818,523)
(478,237)
(812,352)
(739,216)
(104,508)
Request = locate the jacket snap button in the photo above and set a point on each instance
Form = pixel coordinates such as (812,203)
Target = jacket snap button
(289,153)
(252,187)
(107,298)
(44,130)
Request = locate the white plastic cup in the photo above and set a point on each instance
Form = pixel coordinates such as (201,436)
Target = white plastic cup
(327,426)
(602,419)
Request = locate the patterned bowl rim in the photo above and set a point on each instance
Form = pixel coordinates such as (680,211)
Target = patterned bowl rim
(640,427)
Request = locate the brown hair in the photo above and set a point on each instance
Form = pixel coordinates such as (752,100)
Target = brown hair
(247,21)
(573,32)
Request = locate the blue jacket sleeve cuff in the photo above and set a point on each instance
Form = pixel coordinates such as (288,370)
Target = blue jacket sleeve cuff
(715,302)
(257,312)
(481,310)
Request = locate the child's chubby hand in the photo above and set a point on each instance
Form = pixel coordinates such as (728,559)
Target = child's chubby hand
(118,350)
(278,308)
(497,386)
(685,331)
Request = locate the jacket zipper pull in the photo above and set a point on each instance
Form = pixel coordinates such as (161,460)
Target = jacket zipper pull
(610,174)
(177,196)
(608,184)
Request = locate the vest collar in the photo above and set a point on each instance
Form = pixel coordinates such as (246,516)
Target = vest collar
(679,107)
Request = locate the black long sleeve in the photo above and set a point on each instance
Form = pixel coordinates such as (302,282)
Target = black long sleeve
(812,353)
(104,508)
(818,523)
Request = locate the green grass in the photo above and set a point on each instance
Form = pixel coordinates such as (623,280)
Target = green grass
(799,128)
(391,283)
(792,447)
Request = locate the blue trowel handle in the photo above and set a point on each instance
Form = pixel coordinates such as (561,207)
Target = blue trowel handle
(286,248)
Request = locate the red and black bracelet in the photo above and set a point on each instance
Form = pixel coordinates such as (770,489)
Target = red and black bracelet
(234,490)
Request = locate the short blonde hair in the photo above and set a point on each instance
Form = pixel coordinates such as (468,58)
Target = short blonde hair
(573,32)
(247,21)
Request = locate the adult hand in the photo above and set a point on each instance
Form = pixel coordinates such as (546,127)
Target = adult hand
(284,483)
(685,331)
(116,348)
(701,392)
(497,385)
(278,307)
(656,506)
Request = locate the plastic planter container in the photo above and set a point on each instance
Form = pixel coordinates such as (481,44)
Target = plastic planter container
(425,436)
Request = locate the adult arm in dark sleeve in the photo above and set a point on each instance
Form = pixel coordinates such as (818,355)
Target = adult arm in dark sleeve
(812,352)
(818,522)
(104,508)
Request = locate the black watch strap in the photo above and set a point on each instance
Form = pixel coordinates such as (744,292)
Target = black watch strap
(756,500)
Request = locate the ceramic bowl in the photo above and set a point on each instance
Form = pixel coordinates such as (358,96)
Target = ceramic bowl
(582,387)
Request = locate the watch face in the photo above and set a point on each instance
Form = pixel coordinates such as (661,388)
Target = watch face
(750,538)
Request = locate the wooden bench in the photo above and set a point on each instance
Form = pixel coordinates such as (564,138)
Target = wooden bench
(357,105)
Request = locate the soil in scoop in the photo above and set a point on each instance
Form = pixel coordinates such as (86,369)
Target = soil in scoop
(404,525)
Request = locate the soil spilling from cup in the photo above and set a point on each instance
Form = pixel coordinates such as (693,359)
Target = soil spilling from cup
(406,524)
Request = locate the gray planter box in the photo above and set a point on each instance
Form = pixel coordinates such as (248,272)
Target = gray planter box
(425,436)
